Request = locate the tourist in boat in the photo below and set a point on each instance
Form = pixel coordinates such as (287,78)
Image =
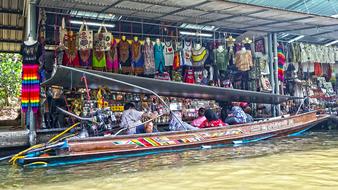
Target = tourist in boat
(247,110)
(236,115)
(199,120)
(131,118)
(212,120)
(147,127)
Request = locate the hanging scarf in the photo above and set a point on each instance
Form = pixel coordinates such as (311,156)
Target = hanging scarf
(281,62)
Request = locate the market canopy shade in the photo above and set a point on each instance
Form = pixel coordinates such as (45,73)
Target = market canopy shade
(69,77)
(222,14)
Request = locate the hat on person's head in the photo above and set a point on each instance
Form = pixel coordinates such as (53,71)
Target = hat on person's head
(210,115)
(243,104)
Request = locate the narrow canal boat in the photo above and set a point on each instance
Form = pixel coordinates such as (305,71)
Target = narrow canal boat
(68,151)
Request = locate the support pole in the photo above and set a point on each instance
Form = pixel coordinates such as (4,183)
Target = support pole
(275,45)
(271,68)
(31,31)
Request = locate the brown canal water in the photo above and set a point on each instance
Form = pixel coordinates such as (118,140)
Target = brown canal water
(306,162)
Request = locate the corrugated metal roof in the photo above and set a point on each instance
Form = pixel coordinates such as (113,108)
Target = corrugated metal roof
(11,25)
(286,16)
(318,7)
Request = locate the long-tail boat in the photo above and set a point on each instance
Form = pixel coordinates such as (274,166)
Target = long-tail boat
(95,149)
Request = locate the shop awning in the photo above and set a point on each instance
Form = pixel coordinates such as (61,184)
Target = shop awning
(222,14)
(71,77)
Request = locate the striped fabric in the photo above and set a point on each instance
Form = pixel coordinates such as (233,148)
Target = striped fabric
(163,141)
(281,62)
(30,91)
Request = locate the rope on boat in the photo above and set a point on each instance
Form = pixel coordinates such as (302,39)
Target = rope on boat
(20,155)
(36,163)
(65,131)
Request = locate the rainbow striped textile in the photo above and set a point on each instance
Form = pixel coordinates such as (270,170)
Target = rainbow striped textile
(30,90)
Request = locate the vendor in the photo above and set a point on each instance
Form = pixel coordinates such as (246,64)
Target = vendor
(131,118)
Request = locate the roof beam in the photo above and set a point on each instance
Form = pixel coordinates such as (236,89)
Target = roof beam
(10,41)
(278,22)
(110,6)
(7,51)
(6,27)
(322,33)
(233,16)
(11,11)
(310,27)
(183,9)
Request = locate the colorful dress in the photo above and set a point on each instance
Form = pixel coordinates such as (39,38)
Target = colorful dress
(30,91)
(168,54)
(243,60)
(281,62)
(86,58)
(199,56)
(137,58)
(71,56)
(189,76)
(124,52)
(159,57)
(177,55)
(186,60)
(221,59)
(99,60)
(149,62)
(112,58)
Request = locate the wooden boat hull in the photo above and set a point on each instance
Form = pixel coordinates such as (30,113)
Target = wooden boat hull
(107,148)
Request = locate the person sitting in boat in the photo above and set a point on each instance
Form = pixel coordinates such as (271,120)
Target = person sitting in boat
(147,127)
(131,118)
(247,110)
(212,120)
(236,115)
(199,120)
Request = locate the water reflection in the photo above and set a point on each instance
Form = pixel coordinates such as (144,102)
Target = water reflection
(296,162)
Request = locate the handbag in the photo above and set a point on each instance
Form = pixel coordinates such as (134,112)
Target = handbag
(265,83)
(63,33)
(102,39)
(85,37)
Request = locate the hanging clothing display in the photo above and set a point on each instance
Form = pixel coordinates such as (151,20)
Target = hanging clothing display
(159,57)
(137,58)
(125,62)
(187,48)
(199,55)
(281,62)
(318,69)
(149,62)
(168,54)
(198,76)
(30,90)
(71,56)
(304,56)
(205,78)
(221,59)
(189,76)
(99,60)
(178,55)
(112,58)
(243,60)
(176,76)
(295,53)
(86,58)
